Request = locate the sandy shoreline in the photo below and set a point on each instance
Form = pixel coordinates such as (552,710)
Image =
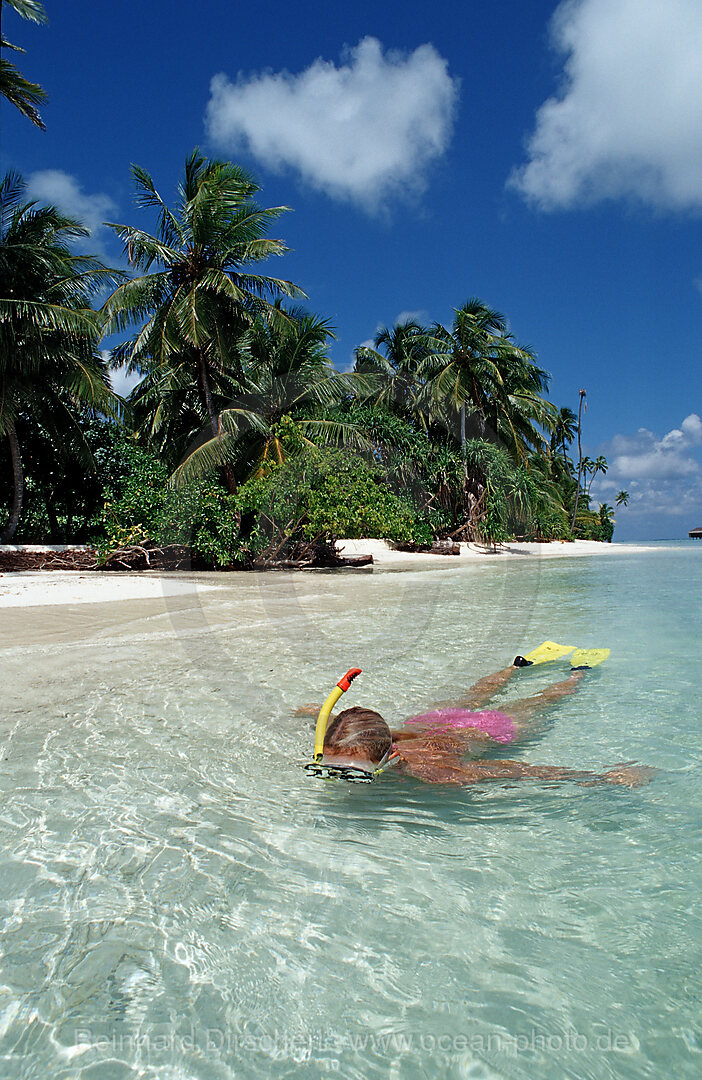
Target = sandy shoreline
(37,588)
(383,554)
(42,588)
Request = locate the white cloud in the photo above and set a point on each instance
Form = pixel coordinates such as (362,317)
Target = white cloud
(662,474)
(62,190)
(691,429)
(655,465)
(122,382)
(364,131)
(421,316)
(628,119)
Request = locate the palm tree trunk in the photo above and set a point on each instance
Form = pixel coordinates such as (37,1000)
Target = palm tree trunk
(580,459)
(18,485)
(463,428)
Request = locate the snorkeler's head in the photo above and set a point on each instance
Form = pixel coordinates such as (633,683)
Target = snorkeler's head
(357,736)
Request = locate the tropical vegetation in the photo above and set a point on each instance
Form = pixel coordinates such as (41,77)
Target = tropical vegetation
(241,442)
(52,372)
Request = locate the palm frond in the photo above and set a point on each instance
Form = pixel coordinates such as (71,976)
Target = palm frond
(170,230)
(335,433)
(51,317)
(143,250)
(22,93)
(31,10)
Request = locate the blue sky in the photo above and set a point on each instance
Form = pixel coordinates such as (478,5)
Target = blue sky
(546,158)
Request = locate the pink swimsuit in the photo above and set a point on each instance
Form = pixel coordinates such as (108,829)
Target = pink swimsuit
(495,724)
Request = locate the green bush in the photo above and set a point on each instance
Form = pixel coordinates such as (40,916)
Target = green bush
(326,494)
(318,494)
(140,508)
(606,523)
(66,468)
(322,494)
(352,499)
(587,526)
(551,524)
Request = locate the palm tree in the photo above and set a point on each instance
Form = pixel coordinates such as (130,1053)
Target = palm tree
(565,430)
(581,406)
(24,95)
(476,371)
(197,295)
(49,360)
(518,413)
(285,385)
(398,369)
(622,498)
(586,466)
(599,465)
(607,521)
(460,366)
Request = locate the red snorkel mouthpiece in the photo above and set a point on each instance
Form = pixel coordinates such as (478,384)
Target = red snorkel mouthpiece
(345,682)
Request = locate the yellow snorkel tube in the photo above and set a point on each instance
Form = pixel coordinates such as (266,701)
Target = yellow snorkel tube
(325,712)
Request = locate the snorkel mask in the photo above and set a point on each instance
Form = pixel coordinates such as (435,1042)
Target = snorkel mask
(350,773)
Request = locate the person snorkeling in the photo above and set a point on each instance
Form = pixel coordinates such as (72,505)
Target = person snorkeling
(445,744)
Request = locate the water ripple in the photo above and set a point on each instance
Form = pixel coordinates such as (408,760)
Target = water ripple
(179,902)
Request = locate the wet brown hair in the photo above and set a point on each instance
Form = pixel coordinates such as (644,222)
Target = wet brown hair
(359,733)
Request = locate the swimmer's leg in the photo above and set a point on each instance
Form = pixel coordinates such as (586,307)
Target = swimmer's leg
(484,689)
(527,713)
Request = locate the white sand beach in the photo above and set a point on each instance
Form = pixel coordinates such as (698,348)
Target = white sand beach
(40,588)
(384,555)
(35,588)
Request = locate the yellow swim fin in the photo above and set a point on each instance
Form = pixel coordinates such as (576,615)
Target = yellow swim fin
(549,650)
(587,658)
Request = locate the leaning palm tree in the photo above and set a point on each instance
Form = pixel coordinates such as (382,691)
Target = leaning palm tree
(622,498)
(24,95)
(196,294)
(49,360)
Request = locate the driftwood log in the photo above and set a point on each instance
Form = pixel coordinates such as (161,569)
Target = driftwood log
(439,547)
(315,555)
(38,559)
(318,554)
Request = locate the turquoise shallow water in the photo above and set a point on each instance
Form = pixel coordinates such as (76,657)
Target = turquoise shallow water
(178,901)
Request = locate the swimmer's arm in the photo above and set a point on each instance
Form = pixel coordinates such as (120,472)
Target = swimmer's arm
(476,772)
